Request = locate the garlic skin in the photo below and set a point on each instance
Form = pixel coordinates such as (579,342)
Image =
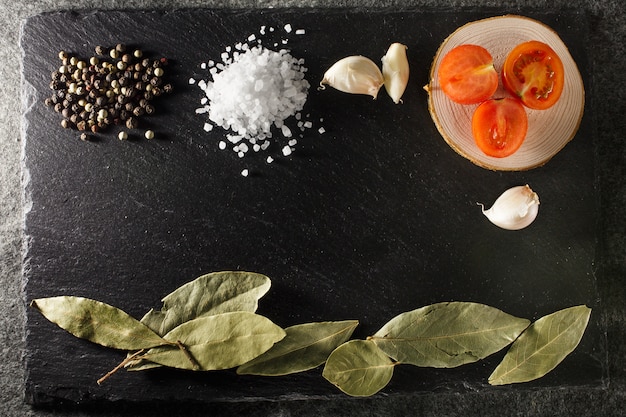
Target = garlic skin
(515,209)
(355,75)
(396,71)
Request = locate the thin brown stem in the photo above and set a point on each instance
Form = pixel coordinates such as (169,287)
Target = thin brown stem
(194,363)
(121,365)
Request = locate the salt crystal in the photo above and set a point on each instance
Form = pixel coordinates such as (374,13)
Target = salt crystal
(222,145)
(293,142)
(269,159)
(262,31)
(300,32)
(286,150)
(285,131)
(208,127)
(192,81)
(321,130)
(308,125)
(288,28)
(203,65)
(245,173)
(251,37)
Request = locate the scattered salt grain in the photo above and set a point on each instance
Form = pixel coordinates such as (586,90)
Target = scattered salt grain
(293,142)
(300,32)
(286,150)
(208,127)
(288,28)
(222,145)
(192,81)
(285,131)
(245,173)
(269,159)
(321,130)
(251,38)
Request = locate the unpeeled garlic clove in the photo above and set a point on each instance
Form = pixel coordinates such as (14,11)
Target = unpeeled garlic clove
(354,74)
(515,209)
(396,71)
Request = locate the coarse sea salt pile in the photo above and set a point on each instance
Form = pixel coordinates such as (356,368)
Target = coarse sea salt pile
(253,92)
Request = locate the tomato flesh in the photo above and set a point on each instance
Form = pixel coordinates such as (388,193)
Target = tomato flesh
(467,75)
(534,72)
(499,126)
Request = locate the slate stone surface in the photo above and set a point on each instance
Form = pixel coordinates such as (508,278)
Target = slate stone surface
(375,217)
(605,93)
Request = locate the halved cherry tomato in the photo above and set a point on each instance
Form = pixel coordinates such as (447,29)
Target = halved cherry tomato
(534,73)
(467,75)
(499,126)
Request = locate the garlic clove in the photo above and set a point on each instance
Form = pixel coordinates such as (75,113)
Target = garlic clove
(515,209)
(396,71)
(354,74)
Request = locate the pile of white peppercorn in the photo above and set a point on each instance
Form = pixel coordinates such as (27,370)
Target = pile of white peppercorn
(114,87)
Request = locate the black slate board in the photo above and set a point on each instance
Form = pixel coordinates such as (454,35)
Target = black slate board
(373,218)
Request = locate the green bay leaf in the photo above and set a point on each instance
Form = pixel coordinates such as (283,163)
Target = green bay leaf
(447,335)
(214,293)
(358,368)
(220,341)
(305,347)
(542,346)
(98,322)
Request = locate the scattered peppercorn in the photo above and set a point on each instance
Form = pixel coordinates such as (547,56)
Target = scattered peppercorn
(113,87)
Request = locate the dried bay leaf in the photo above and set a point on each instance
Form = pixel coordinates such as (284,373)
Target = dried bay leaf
(305,347)
(447,335)
(98,322)
(359,368)
(214,293)
(219,341)
(542,346)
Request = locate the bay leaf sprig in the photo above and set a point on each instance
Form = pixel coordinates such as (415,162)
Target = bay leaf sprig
(447,335)
(211,324)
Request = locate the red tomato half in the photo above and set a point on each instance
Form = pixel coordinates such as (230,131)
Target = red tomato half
(467,75)
(534,73)
(499,126)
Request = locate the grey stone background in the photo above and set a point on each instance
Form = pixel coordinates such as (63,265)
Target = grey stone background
(608,98)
